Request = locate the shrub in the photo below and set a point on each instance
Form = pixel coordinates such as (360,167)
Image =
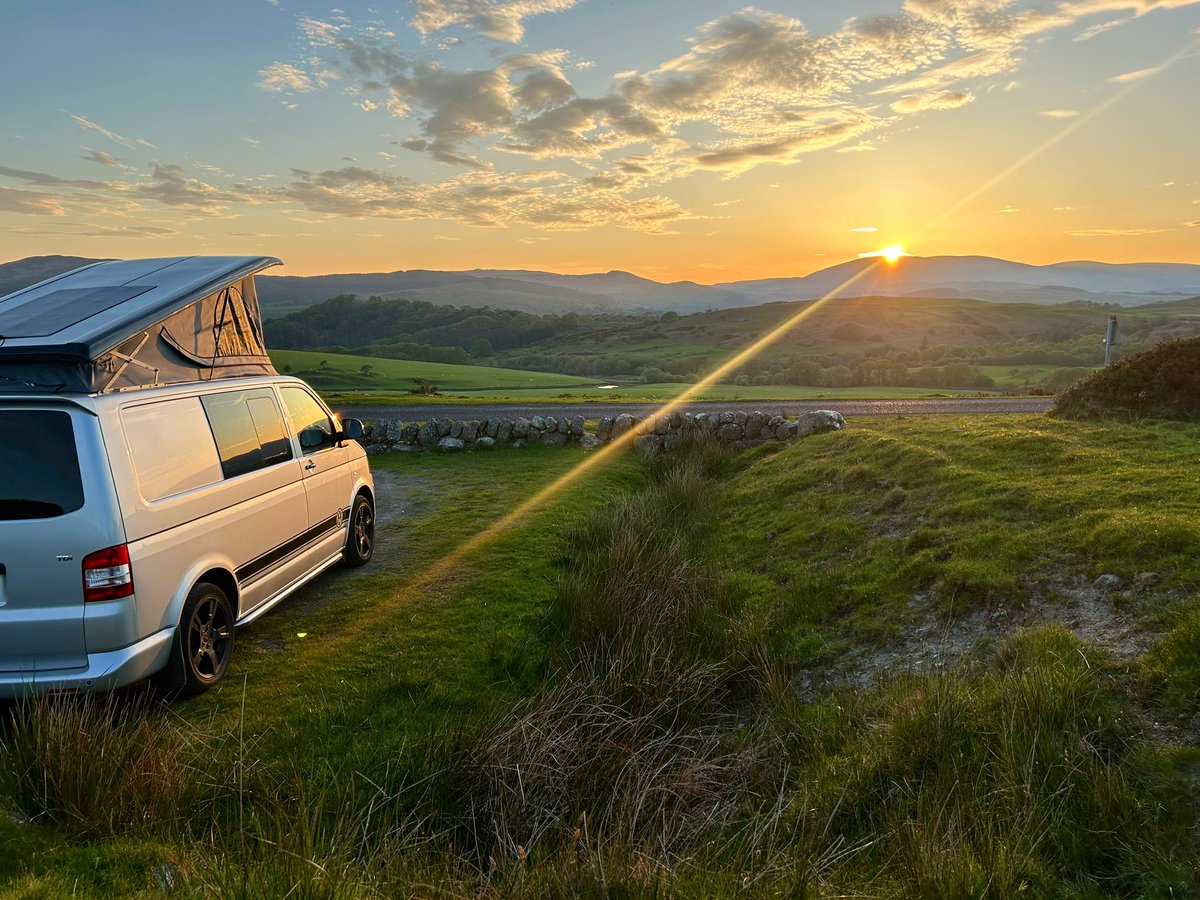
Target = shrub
(1163,381)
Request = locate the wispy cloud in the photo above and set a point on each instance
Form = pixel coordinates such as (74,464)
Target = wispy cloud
(914,103)
(1136,75)
(30,202)
(865,229)
(1088,33)
(1059,113)
(106,159)
(279,77)
(88,125)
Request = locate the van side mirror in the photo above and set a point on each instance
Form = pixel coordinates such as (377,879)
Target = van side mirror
(352,430)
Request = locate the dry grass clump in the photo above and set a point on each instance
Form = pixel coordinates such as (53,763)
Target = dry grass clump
(651,772)
(100,765)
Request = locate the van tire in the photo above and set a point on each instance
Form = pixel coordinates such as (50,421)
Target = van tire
(360,534)
(203,642)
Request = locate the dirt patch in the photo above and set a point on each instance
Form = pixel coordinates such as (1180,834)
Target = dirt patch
(932,641)
(397,496)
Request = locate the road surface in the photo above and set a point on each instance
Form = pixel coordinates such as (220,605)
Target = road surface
(955,406)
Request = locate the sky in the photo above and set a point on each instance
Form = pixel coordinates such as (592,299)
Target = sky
(679,139)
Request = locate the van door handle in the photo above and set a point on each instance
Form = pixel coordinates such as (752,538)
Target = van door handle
(310,465)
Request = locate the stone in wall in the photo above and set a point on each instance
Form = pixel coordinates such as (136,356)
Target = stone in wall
(428,435)
(649,444)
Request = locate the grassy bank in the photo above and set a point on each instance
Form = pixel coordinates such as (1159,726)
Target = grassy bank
(693,677)
(340,372)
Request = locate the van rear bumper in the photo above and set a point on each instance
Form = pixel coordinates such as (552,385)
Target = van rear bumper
(104,671)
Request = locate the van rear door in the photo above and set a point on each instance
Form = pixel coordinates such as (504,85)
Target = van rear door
(56,506)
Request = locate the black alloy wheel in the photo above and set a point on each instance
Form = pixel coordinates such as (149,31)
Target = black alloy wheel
(360,539)
(206,638)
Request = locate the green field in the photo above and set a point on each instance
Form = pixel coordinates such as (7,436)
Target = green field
(870,663)
(644,393)
(343,372)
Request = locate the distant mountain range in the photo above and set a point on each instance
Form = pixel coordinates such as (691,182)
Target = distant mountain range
(978,277)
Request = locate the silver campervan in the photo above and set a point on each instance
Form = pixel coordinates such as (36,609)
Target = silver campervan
(160,483)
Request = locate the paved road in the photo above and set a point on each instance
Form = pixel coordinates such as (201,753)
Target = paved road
(959,406)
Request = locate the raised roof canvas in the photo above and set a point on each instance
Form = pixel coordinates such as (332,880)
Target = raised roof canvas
(135,323)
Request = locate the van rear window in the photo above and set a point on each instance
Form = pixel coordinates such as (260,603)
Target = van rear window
(39,468)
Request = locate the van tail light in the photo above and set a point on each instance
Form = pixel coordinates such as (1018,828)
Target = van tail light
(107,574)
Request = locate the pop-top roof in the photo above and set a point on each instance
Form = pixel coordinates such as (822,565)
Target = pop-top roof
(89,311)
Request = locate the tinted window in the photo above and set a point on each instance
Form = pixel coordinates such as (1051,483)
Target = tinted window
(306,413)
(39,468)
(249,430)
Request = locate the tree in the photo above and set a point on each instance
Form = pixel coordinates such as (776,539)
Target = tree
(482,347)
(366,369)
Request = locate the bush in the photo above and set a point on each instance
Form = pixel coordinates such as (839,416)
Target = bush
(1163,381)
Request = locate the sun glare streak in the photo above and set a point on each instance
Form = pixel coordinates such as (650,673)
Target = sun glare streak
(537,501)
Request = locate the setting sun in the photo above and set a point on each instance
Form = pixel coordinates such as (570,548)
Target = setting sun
(891,253)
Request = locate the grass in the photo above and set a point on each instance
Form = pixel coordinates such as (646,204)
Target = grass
(611,699)
(645,393)
(344,372)
(965,513)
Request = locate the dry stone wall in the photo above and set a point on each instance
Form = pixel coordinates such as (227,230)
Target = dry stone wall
(651,433)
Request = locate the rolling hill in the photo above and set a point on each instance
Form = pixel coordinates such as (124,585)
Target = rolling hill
(985,278)
(977,277)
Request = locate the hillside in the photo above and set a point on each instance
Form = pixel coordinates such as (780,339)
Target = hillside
(986,278)
(878,333)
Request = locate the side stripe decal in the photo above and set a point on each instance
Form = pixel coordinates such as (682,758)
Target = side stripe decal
(260,564)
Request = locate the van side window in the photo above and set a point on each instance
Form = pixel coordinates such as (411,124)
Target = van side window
(308,416)
(171,446)
(249,430)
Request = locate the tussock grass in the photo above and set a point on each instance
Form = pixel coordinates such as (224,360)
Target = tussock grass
(101,765)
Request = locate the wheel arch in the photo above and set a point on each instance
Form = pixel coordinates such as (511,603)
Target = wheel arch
(225,580)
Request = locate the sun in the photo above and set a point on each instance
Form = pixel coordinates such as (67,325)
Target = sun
(891,253)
